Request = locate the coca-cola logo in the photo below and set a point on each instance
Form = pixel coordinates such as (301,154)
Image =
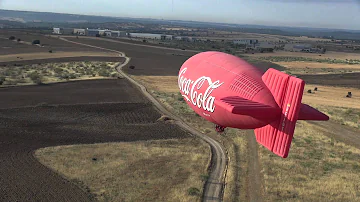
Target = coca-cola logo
(189,89)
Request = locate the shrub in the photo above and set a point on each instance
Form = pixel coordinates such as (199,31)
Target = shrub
(114,74)
(35,77)
(18,40)
(50,51)
(132,67)
(193,191)
(103,73)
(36,41)
(72,76)
(12,38)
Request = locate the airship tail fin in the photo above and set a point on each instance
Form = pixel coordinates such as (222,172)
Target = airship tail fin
(287,92)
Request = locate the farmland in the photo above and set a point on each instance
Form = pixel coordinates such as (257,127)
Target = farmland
(66,114)
(338,156)
(103,111)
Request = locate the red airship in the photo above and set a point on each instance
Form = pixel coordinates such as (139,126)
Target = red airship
(230,92)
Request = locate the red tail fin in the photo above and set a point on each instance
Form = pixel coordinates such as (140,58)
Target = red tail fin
(287,91)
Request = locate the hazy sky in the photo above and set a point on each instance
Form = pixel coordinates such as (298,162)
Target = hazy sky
(343,14)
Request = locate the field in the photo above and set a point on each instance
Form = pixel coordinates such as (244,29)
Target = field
(48,43)
(56,72)
(328,54)
(291,178)
(164,170)
(103,111)
(78,112)
(37,55)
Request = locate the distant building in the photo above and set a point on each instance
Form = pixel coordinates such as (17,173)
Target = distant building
(92,32)
(245,41)
(56,30)
(107,33)
(264,47)
(178,38)
(150,36)
(79,31)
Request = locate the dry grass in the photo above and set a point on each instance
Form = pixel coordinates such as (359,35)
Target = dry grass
(55,72)
(312,153)
(318,169)
(166,90)
(55,54)
(332,96)
(161,170)
(316,65)
(329,54)
(318,68)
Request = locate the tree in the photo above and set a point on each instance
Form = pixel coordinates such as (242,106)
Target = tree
(12,38)
(36,41)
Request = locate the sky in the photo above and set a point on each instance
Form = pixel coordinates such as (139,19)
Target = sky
(341,14)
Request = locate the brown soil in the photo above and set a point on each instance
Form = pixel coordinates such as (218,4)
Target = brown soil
(343,80)
(57,54)
(84,112)
(49,43)
(65,59)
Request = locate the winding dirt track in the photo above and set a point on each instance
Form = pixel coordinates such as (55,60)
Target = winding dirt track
(213,188)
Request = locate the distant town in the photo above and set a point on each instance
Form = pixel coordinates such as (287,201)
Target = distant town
(247,44)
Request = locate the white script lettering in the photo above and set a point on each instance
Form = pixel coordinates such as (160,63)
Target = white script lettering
(205,101)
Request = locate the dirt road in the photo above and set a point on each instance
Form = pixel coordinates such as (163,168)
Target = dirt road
(214,185)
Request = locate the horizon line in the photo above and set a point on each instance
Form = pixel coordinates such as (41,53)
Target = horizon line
(97,15)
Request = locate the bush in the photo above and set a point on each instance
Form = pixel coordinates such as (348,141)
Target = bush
(18,40)
(12,38)
(36,41)
(50,51)
(72,76)
(35,77)
(104,73)
(193,191)
(132,67)
(114,74)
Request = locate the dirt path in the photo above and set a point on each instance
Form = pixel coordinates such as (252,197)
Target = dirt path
(254,191)
(214,185)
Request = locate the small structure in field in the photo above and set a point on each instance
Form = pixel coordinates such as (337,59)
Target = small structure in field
(349,95)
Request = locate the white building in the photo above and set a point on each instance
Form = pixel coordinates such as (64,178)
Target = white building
(151,36)
(79,31)
(56,30)
(245,41)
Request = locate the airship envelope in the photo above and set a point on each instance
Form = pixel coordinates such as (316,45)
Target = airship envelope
(229,92)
